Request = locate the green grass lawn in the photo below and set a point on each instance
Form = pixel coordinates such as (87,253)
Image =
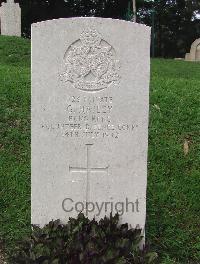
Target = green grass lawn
(173,198)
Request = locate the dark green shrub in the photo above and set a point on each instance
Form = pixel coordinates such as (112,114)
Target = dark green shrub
(83,241)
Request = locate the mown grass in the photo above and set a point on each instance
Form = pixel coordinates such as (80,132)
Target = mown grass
(173,219)
(15,138)
(173,198)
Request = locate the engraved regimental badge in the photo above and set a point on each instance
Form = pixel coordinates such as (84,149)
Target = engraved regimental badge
(90,63)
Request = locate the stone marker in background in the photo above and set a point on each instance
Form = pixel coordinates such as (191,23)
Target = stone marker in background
(10,16)
(194,54)
(90,101)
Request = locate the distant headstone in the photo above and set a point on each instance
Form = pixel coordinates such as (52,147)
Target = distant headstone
(90,104)
(194,54)
(10,16)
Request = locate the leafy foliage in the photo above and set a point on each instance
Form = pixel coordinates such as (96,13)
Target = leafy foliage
(175,24)
(40,10)
(83,241)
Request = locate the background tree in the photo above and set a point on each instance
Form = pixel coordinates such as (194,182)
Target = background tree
(175,24)
(39,10)
(134,11)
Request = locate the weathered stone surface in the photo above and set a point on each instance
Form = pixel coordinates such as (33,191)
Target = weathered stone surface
(90,101)
(194,54)
(10,16)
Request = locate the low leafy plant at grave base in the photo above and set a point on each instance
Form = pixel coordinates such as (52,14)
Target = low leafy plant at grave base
(83,241)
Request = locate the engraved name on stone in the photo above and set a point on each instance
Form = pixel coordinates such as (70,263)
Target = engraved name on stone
(90,116)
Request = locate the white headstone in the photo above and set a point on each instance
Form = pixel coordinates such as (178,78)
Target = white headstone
(10,16)
(90,101)
(194,54)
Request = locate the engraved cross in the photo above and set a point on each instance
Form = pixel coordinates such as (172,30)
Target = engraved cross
(88,169)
